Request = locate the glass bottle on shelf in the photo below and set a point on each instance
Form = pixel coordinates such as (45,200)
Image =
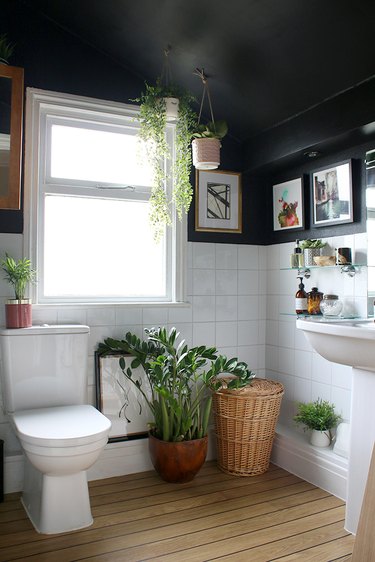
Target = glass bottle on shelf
(296,259)
(301,298)
(314,298)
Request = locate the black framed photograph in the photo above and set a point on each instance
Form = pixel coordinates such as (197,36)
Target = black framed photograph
(218,203)
(119,400)
(288,205)
(332,195)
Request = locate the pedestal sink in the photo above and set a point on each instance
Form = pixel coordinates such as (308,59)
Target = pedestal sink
(351,343)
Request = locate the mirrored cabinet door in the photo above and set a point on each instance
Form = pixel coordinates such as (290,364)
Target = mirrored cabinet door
(11,117)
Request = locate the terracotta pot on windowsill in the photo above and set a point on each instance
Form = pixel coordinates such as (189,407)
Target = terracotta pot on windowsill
(18,313)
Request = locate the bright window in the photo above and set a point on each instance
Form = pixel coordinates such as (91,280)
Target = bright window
(87,204)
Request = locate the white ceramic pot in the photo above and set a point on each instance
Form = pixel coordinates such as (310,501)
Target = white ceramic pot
(171,109)
(320,438)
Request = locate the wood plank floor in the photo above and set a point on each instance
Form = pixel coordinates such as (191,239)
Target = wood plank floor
(275,516)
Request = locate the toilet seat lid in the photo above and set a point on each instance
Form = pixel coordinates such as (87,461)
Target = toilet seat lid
(61,424)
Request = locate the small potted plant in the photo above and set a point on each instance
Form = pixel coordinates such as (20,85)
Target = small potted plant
(6,49)
(19,274)
(319,417)
(177,390)
(206,144)
(311,249)
(155,104)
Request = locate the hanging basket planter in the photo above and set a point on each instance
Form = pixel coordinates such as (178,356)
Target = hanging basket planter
(206,153)
(206,144)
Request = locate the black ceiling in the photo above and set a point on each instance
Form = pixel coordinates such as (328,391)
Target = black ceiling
(267,60)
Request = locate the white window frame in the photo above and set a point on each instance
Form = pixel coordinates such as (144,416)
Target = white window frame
(43,108)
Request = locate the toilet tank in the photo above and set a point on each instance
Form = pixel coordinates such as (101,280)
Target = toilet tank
(43,366)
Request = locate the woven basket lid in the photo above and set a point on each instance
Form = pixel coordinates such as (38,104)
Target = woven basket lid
(258,387)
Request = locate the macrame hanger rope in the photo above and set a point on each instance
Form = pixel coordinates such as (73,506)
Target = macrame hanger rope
(166,72)
(206,90)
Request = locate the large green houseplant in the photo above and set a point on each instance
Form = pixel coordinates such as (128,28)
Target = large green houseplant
(153,120)
(177,384)
(19,275)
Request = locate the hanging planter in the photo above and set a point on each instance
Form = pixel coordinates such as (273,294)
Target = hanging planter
(206,139)
(164,102)
(206,145)
(171,109)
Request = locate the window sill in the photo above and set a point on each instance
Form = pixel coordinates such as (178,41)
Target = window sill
(140,304)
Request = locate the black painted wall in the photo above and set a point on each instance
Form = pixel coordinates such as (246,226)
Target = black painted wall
(55,60)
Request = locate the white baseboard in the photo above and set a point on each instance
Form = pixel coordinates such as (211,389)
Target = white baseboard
(321,467)
(117,459)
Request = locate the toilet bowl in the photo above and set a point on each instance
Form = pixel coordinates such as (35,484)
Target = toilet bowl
(60,444)
(44,382)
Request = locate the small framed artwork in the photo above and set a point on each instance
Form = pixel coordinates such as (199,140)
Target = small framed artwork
(218,206)
(119,400)
(332,197)
(288,205)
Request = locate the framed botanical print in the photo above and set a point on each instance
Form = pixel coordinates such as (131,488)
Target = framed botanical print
(118,399)
(218,206)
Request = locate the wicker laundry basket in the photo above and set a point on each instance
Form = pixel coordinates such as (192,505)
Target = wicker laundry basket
(245,422)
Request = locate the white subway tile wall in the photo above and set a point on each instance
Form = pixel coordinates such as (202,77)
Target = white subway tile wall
(240,300)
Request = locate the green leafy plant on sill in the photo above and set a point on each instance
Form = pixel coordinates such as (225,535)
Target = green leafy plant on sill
(178,380)
(18,274)
(319,415)
(152,131)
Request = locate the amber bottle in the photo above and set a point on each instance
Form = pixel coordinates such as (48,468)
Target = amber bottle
(301,298)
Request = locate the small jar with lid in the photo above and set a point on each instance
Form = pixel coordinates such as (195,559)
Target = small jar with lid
(314,298)
(331,306)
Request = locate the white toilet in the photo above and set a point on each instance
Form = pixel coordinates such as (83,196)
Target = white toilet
(44,384)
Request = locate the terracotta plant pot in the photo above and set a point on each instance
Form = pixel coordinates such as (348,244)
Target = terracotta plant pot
(18,313)
(206,153)
(177,462)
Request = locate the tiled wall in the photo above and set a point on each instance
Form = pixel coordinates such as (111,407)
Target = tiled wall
(241,300)
(226,289)
(289,357)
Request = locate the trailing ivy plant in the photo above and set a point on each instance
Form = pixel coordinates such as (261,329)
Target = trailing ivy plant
(152,117)
(177,380)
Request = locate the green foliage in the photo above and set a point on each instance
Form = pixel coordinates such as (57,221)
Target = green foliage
(212,130)
(152,132)
(6,48)
(308,244)
(18,274)
(178,380)
(319,415)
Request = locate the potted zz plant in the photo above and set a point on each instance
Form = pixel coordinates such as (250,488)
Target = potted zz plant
(206,144)
(320,418)
(19,274)
(158,105)
(177,391)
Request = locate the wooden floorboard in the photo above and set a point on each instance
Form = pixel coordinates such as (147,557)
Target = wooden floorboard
(272,517)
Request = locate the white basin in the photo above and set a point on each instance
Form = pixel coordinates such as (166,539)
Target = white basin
(351,343)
